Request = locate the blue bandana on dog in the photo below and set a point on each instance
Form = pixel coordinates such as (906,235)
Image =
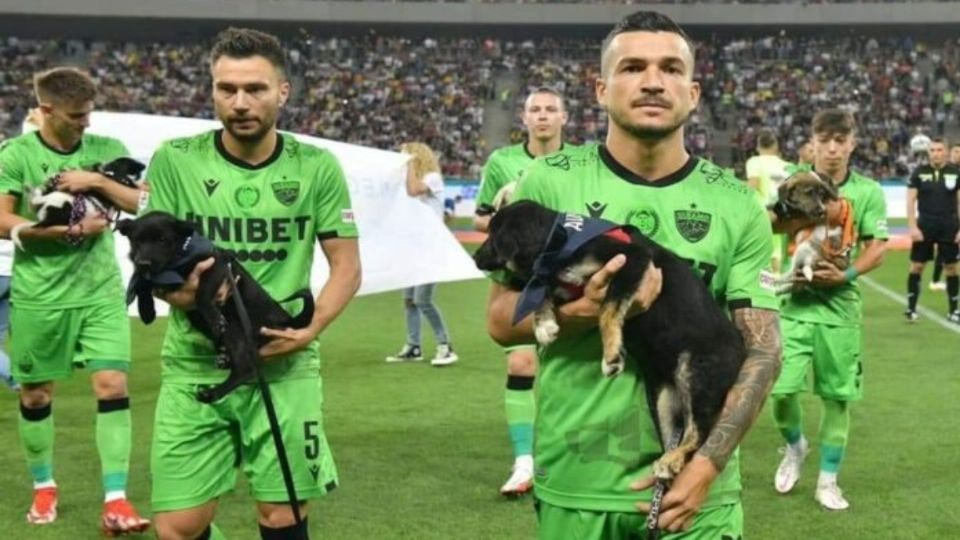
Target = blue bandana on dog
(576,231)
(193,250)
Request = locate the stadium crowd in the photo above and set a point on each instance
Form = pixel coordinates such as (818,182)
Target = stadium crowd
(375,90)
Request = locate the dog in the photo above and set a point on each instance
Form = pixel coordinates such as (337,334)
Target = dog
(691,352)
(164,251)
(54,207)
(831,237)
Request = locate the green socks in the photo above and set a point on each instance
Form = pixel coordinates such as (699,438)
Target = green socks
(520,407)
(788,416)
(834,430)
(36,437)
(113,445)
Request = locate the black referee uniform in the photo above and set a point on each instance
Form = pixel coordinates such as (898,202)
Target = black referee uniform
(937,193)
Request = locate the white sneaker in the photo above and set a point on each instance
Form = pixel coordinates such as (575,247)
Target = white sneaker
(409,353)
(788,473)
(830,496)
(445,356)
(938,286)
(954,317)
(521,479)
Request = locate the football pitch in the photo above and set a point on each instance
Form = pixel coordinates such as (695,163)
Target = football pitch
(421,451)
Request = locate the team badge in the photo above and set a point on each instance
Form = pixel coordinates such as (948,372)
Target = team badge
(647,222)
(692,224)
(286,192)
(247,196)
(561,161)
(950,181)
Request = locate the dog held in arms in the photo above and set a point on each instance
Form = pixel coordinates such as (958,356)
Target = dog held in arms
(830,238)
(55,207)
(164,251)
(689,351)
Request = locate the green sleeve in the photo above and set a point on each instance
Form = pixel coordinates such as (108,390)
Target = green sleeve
(536,185)
(115,149)
(334,213)
(874,221)
(491,181)
(161,178)
(751,282)
(11,171)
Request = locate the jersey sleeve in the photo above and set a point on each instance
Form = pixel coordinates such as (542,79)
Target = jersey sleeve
(161,179)
(333,212)
(537,185)
(491,181)
(750,283)
(115,149)
(914,181)
(753,168)
(874,221)
(11,171)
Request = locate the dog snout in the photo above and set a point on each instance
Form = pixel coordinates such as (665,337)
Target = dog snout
(143,265)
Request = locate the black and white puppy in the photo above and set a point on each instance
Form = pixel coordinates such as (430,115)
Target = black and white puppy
(54,207)
(164,251)
(689,351)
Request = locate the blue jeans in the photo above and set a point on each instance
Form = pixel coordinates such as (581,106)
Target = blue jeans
(4,326)
(419,300)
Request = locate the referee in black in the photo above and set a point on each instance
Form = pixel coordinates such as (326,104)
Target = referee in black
(932,214)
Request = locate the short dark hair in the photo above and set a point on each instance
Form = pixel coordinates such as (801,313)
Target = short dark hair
(646,21)
(766,140)
(547,90)
(64,84)
(245,43)
(941,140)
(835,121)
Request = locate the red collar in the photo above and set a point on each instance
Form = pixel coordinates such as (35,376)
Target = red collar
(619,235)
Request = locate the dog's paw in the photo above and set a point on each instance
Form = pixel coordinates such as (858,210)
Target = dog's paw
(669,466)
(613,367)
(546,332)
(808,272)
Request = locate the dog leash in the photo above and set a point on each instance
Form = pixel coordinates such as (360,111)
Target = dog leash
(659,490)
(285,471)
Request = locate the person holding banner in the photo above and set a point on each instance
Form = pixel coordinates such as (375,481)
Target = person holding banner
(424,182)
(278,198)
(67,300)
(544,115)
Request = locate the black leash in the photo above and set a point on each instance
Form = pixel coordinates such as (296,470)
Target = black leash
(659,489)
(267,402)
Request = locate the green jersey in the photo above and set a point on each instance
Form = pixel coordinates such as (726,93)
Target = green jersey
(53,272)
(843,305)
(794,168)
(595,435)
(268,215)
(770,171)
(504,165)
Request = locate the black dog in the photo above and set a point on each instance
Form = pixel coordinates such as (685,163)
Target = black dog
(54,207)
(164,251)
(690,351)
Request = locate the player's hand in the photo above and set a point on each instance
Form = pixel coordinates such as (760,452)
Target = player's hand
(595,290)
(687,492)
(89,227)
(917,235)
(79,181)
(185,298)
(286,341)
(827,275)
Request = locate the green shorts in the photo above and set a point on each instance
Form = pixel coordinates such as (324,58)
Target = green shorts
(197,448)
(48,344)
(716,523)
(834,352)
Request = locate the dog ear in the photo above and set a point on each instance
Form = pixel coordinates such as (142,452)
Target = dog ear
(185,228)
(828,191)
(125,226)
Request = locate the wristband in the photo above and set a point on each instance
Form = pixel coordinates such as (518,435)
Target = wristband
(851,274)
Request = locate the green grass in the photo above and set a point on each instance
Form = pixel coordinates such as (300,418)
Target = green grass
(421,451)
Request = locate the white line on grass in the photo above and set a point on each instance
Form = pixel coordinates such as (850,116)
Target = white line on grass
(926,312)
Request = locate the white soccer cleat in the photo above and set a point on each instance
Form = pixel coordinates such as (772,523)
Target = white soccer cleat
(521,479)
(954,317)
(830,496)
(788,473)
(938,286)
(911,316)
(445,356)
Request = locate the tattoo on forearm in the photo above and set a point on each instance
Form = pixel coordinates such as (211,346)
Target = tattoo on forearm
(761,335)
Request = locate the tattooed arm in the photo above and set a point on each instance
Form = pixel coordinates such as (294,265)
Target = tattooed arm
(761,335)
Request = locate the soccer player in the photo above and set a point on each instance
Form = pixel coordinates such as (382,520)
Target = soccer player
(805,156)
(268,198)
(68,299)
(821,324)
(765,172)
(932,215)
(544,116)
(936,282)
(595,438)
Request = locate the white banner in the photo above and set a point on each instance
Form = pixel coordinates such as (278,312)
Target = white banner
(402,241)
